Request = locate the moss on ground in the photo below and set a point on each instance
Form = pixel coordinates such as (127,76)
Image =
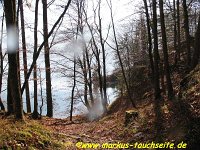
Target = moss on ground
(27,134)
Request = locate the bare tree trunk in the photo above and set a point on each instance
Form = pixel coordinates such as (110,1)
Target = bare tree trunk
(35,111)
(90,77)
(28,103)
(195,59)
(157,92)
(187,31)
(156,53)
(195,19)
(10,102)
(73,88)
(96,53)
(83,67)
(129,66)
(177,53)
(10,14)
(85,64)
(162,77)
(18,54)
(47,62)
(1,63)
(99,73)
(42,103)
(165,52)
(97,56)
(178,31)
(104,100)
(149,38)
(119,57)
(41,46)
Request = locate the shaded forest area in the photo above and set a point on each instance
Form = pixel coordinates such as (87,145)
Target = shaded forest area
(156,72)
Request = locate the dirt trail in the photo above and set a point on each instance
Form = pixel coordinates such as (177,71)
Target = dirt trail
(104,130)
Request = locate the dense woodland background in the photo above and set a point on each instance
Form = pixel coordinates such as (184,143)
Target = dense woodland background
(155,56)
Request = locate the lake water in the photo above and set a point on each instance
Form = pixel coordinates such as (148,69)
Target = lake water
(61,94)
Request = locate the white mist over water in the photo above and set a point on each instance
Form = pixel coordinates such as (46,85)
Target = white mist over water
(97,109)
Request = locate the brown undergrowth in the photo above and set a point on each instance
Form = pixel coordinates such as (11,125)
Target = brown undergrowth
(180,122)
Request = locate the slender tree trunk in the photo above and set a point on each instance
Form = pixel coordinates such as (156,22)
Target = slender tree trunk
(119,57)
(104,100)
(35,111)
(195,59)
(128,66)
(99,75)
(18,57)
(10,15)
(157,92)
(90,77)
(1,63)
(156,53)
(162,77)
(10,102)
(83,67)
(187,31)
(42,100)
(81,12)
(178,30)
(73,88)
(177,53)
(195,18)
(97,56)
(41,46)
(47,62)
(28,102)
(149,38)
(165,52)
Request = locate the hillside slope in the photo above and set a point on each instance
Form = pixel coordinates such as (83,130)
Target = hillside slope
(180,122)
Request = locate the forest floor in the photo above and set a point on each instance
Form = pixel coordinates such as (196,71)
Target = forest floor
(109,129)
(51,133)
(176,123)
